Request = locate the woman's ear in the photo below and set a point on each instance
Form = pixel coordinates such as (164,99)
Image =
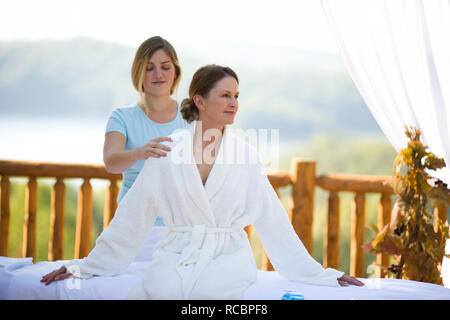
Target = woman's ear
(199,102)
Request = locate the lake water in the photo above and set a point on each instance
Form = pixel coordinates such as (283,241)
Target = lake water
(52,139)
(62,140)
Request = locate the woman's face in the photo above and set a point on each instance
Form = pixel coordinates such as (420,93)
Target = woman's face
(160,74)
(220,105)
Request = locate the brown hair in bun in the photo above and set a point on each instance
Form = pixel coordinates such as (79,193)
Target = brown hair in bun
(203,80)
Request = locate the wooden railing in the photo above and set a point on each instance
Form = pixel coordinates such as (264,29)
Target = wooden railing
(59,171)
(360,185)
(302,178)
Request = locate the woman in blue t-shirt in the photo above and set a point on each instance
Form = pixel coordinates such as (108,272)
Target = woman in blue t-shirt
(135,133)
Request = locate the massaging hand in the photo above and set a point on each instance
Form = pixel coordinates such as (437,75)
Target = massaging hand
(345,281)
(59,274)
(153,148)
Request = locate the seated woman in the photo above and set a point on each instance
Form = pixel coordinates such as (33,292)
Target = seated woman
(209,187)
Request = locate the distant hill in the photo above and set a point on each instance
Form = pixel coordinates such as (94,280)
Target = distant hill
(298,91)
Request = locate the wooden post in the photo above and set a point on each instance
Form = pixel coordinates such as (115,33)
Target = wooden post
(357,236)
(303,177)
(4,215)
(266,264)
(29,226)
(110,203)
(331,235)
(384,218)
(56,243)
(84,220)
(248,230)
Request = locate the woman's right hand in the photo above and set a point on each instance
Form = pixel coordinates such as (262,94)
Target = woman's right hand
(117,159)
(59,274)
(154,148)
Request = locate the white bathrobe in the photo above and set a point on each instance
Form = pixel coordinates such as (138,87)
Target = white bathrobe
(205,253)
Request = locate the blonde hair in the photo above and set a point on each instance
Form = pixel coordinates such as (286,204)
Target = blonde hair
(203,80)
(144,53)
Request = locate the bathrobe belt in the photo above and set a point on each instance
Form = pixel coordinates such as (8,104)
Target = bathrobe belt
(196,256)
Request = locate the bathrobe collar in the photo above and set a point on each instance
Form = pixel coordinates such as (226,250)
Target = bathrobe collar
(199,194)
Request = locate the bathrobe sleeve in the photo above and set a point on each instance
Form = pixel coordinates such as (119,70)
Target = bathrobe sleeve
(119,243)
(284,248)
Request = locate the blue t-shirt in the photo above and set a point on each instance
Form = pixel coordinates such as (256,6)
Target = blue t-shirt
(138,129)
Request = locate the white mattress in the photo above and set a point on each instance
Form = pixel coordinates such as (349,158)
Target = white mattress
(20,279)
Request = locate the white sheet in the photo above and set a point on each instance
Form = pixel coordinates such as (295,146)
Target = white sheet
(271,286)
(20,279)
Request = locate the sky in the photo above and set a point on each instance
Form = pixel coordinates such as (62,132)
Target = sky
(296,23)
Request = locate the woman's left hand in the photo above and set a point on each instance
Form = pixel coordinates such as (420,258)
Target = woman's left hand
(345,281)
(59,274)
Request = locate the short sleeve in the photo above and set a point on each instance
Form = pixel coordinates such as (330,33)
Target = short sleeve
(116,122)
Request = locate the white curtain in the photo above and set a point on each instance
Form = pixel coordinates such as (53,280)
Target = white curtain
(398,54)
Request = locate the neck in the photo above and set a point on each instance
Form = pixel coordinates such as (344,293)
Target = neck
(157,104)
(206,136)
(210,125)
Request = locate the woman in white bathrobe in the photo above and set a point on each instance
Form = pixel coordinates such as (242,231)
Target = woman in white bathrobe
(207,190)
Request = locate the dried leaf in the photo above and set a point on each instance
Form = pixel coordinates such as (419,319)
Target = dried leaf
(391,245)
(433,163)
(439,196)
(372,227)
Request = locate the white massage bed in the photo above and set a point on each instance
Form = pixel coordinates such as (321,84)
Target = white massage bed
(20,279)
